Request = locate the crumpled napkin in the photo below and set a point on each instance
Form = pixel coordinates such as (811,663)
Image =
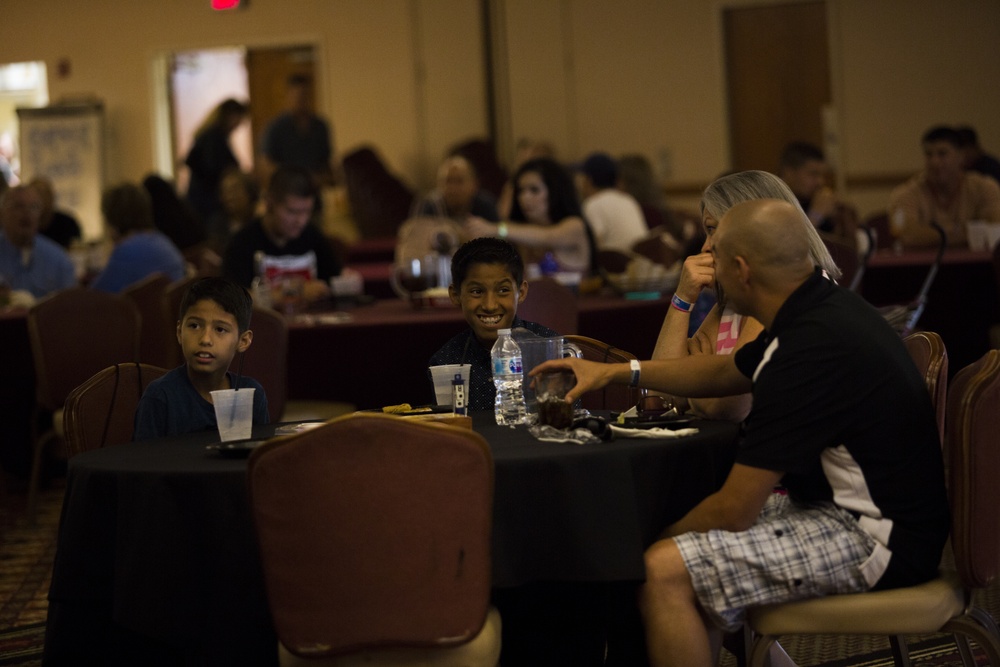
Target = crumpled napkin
(576,436)
(583,436)
(658,432)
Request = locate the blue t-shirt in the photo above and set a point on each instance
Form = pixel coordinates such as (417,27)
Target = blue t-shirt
(172,406)
(137,256)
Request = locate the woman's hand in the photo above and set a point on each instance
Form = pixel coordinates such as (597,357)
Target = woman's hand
(476,227)
(697,273)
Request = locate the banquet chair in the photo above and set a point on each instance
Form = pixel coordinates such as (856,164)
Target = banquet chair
(157,340)
(944,604)
(374,535)
(267,362)
(74,333)
(267,358)
(927,350)
(101,411)
(617,397)
(550,304)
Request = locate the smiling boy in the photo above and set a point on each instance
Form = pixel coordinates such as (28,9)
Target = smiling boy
(488,284)
(214,326)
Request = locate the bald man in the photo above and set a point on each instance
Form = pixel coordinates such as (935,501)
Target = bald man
(841,418)
(458,194)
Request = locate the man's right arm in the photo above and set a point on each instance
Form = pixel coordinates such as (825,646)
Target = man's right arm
(695,376)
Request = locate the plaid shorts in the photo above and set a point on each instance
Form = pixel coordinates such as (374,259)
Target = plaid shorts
(791,552)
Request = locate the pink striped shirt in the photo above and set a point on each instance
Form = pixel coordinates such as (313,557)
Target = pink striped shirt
(730,325)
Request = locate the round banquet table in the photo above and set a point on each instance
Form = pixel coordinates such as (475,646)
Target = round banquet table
(376,354)
(157,554)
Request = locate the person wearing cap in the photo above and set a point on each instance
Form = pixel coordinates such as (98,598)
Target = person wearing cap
(614,216)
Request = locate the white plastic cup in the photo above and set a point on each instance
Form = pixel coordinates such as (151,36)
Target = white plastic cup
(234,413)
(443,377)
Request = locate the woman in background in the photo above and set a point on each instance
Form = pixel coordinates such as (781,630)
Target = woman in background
(545,217)
(211,156)
(724,331)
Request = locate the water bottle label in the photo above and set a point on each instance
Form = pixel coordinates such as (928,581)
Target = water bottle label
(514,365)
(507,366)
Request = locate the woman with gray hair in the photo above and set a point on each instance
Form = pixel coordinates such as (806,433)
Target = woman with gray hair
(724,331)
(140,249)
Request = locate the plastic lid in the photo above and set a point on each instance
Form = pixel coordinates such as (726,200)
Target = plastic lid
(504,332)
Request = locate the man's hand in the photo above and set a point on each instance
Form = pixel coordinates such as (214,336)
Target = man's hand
(590,375)
(476,227)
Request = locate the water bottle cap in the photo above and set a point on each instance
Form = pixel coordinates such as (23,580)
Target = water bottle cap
(504,332)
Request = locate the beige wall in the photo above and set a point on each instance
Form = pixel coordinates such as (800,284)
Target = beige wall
(635,75)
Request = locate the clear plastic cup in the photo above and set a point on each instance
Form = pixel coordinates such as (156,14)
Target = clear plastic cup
(234,413)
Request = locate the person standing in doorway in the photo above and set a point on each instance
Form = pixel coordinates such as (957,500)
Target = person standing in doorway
(298,137)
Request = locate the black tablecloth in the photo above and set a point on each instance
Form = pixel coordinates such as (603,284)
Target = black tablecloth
(156,543)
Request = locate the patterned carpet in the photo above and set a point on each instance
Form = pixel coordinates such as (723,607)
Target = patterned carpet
(27,552)
(26,555)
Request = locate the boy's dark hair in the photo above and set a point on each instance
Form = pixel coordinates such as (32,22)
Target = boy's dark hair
(291,182)
(486,250)
(942,133)
(797,153)
(230,296)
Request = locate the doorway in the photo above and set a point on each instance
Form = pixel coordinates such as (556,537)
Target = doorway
(196,81)
(22,85)
(778,79)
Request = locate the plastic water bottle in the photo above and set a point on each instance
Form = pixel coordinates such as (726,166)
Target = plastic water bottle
(506,356)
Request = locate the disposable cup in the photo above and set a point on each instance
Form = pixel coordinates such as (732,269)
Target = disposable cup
(234,413)
(443,377)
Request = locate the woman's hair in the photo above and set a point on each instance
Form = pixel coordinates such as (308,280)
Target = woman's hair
(223,111)
(727,191)
(563,202)
(127,208)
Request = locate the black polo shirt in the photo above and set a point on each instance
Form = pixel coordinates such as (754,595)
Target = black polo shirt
(840,408)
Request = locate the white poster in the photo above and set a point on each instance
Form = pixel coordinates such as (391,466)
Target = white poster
(66,144)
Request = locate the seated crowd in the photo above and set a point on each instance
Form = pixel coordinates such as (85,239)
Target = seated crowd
(802,362)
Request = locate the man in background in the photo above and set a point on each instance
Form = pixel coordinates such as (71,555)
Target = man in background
(58,225)
(943,193)
(803,167)
(976,159)
(284,242)
(458,194)
(614,216)
(298,137)
(30,262)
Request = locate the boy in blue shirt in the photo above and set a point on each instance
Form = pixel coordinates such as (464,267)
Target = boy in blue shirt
(214,326)
(487,283)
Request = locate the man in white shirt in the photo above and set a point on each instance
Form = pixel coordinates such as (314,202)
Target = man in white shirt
(614,216)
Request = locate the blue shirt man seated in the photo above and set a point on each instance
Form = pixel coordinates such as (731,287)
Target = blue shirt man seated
(29,261)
